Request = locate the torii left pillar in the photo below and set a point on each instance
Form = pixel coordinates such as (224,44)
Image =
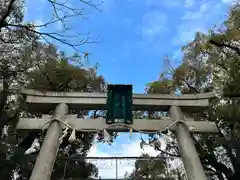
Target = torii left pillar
(46,158)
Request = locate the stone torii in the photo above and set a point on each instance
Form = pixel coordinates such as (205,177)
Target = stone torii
(62,102)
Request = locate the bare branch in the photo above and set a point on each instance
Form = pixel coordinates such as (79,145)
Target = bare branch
(55,36)
(76,11)
(89,3)
(63,11)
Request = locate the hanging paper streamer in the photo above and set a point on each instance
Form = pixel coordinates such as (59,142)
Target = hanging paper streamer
(106,136)
(72,137)
(131,130)
(5,131)
(34,147)
(169,133)
(65,133)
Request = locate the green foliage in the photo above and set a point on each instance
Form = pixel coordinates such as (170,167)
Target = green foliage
(150,169)
(163,86)
(51,71)
(27,62)
(211,63)
(56,74)
(73,169)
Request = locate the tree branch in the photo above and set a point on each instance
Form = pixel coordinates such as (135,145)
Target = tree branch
(55,36)
(6,14)
(170,154)
(62,12)
(222,45)
(46,76)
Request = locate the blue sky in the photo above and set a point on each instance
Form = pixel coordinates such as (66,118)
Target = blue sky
(135,36)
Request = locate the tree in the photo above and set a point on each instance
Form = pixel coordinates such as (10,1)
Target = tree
(15,35)
(151,169)
(13,68)
(28,62)
(211,63)
(52,72)
(18,37)
(12,14)
(56,74)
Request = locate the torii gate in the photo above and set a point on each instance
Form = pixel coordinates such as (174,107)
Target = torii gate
(62,101)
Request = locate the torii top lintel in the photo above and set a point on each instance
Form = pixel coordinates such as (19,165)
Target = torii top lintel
(44,101)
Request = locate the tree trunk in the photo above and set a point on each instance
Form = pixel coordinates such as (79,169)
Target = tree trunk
(3,101)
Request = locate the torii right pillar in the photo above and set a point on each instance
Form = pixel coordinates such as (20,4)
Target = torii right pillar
(191,160)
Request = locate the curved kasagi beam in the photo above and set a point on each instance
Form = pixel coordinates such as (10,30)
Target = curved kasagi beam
(43,102)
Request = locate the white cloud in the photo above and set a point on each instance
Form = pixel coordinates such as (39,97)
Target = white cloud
(207,15)
(193,15)
(186,33)
(35,7)
(229,1)
(176,55)
(173,3)
(108,4)
(168,4)
(107,168)
(38,22)
(153,24)
(189,3)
